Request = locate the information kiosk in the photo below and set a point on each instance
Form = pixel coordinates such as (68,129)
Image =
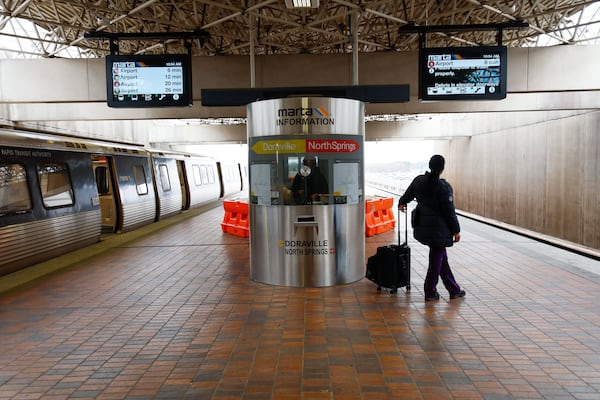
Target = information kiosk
(306,204)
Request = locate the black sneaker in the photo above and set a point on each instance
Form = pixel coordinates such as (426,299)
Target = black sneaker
(458,295)
(432,298)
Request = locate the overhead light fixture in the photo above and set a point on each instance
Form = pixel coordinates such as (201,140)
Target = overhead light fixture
(508,9)
(302,3)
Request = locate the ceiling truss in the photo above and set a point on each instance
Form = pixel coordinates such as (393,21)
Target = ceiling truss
(268,27)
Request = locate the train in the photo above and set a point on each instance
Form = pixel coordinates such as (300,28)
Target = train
(61,193)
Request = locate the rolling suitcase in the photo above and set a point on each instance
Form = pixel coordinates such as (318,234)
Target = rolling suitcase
(390,266)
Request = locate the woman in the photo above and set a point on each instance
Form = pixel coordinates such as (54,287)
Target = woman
(435,225)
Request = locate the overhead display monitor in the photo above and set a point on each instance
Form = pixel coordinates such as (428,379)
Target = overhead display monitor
(462,73)
(140,81)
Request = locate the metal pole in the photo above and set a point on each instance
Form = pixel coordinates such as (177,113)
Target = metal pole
(355,48)
(252,61)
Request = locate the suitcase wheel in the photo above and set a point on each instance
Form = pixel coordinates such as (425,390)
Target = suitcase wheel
(394,291)
(378,289)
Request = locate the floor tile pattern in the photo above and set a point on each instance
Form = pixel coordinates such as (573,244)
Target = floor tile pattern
(173,315)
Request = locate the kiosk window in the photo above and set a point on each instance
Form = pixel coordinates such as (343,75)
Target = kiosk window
(309,179)
(261,187)
(346,183)
(293,167)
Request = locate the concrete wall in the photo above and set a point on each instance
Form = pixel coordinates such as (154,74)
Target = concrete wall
(531,161)
(550,78)
(543,177)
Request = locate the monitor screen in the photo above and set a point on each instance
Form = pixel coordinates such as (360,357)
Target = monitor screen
(163,80)
(462,73)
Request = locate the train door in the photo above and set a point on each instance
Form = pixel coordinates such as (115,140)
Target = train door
(183,182)
(103,171)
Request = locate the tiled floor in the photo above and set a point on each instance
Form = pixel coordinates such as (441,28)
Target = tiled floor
(173,315)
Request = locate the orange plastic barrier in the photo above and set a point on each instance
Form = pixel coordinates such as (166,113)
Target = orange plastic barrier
(235,220)
(379,216)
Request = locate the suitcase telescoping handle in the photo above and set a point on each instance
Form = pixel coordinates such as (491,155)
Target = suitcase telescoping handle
(405,226)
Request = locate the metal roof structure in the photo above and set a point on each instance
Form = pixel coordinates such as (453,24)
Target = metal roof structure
(58,28)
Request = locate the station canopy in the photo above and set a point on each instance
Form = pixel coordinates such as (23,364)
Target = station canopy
(58,28)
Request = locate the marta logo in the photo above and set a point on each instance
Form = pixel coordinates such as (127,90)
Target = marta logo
(304,116)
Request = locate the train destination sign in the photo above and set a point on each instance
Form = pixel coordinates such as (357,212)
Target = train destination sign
(148,80)
(462,73)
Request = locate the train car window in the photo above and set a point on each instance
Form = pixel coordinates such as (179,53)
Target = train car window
(139,175)
(55,185)
(165,182)
(204,174)
(197,178)
(101,173)
(211,174)
(14,194)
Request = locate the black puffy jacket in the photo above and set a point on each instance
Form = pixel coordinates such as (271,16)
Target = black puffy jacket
(434,220)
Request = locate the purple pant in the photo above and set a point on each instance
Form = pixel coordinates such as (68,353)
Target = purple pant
(439,268)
